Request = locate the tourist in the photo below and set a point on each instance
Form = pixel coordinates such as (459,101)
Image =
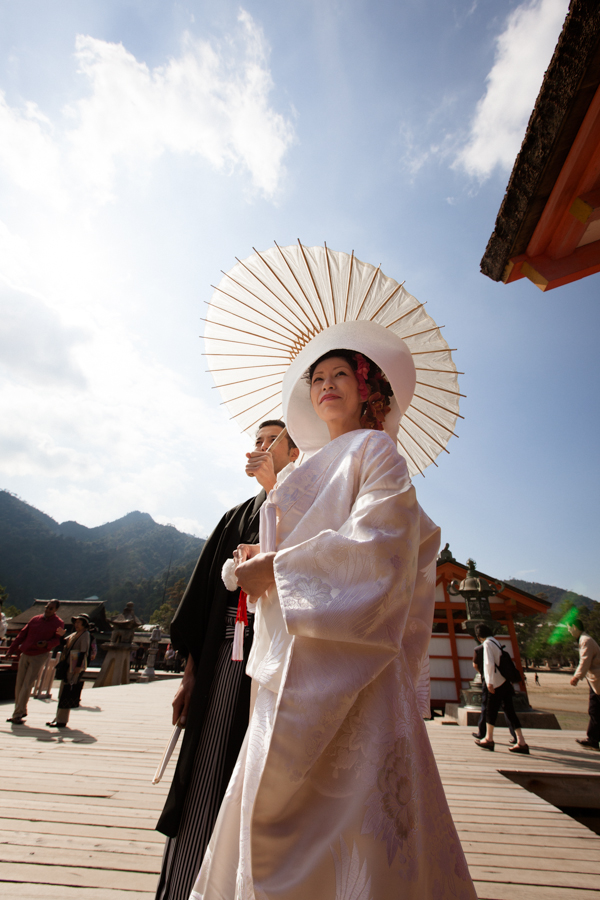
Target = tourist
(213,702)
(70,669)
(336,791)
(588,668)
(501,693)
(3,623)
(35,641)
(481,724)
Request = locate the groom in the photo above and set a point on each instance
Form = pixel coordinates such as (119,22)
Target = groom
(213,701)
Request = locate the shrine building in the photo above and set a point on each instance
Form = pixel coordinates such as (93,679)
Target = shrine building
(451,648)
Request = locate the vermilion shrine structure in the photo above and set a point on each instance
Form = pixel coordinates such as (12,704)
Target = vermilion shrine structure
(451,648)
(548,226)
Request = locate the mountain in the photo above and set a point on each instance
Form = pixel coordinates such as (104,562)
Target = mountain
(554,594)
(42,558)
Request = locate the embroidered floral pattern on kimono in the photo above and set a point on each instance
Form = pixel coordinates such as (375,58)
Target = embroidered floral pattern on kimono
(338,793)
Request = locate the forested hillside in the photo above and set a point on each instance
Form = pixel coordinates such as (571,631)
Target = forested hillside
(554,594)
(123,560)
(133,558)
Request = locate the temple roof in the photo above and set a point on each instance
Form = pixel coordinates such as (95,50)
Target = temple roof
(548,226)
(68,608)
(525,603)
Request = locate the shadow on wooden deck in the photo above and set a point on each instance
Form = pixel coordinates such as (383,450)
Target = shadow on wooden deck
(78,809)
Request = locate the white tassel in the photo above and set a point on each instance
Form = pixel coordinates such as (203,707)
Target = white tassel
(228,575)
(237,653)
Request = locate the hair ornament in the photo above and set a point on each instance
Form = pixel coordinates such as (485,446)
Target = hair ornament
(362,373)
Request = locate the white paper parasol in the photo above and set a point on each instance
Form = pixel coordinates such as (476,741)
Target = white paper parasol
(269,306)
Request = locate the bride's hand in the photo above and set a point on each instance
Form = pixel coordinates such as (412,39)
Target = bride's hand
(255,575)
(244,552)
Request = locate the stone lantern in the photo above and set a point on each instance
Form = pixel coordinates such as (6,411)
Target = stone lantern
(149,674)
(115,668)
(476,592)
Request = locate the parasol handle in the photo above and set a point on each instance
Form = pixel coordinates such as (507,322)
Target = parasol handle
(278,439)
(160,771)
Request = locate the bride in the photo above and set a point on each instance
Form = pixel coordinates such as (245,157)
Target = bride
(336,794)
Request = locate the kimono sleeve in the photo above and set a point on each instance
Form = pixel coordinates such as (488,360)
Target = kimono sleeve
(186,626)
(355,584)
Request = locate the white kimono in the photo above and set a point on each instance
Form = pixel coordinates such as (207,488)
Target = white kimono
(336,794)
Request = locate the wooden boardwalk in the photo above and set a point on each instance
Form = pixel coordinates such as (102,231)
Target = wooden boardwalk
(518,846)
(77,809)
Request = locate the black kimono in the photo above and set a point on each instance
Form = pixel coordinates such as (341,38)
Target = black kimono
(219,710)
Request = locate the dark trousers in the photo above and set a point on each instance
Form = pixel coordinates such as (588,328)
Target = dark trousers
(593,732)
(482,716)
(502,696)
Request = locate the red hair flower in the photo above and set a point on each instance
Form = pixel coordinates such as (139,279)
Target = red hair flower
(362,373)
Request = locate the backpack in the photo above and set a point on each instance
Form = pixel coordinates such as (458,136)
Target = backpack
(506,666)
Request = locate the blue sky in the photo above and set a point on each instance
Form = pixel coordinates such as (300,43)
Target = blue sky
(144,145)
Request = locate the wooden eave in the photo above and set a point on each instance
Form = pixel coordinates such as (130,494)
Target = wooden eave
(551,202)
(515,600)
(68,608)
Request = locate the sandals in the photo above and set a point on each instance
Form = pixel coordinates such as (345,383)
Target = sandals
(16,720)
(56,724)
(486,745)
(519,748)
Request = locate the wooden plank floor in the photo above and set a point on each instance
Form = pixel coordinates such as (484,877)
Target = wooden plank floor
(518,846)
(78,811)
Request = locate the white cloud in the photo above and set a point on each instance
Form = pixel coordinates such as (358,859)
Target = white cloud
(188,526)
(95,423)
(523,52)
(211,102)
(35,346)
(30,156)
(134,439)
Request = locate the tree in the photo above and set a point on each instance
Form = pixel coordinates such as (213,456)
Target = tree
(9,611)
(526,629)
(550,640)
(176,592)
(163,616)
(591,621)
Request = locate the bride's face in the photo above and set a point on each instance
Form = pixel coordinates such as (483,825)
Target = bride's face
(334,392)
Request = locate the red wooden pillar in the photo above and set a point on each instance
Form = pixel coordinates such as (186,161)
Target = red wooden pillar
(517,656)
(452,636)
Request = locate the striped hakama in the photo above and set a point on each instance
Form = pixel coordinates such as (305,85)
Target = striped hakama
(184,853)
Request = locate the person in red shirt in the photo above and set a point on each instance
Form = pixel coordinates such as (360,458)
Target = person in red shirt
(35,641)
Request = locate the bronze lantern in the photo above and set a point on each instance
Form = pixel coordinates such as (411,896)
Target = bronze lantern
(476,592)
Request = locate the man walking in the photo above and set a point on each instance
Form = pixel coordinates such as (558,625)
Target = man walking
(500,693)
(213,701)
(41,634)
(481,724)
(588,668)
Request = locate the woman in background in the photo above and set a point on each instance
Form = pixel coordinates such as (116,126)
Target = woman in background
(75,655)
